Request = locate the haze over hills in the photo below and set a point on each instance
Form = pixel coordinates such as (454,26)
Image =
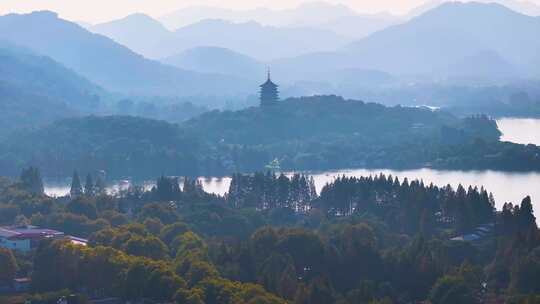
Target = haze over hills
(41,75)
(36,90)
(140,32)
(20,109)
(105,62)
(434,39)
(432,42)
(523,7)
(217,61)
(309,14)
(481,66)
(429,45)
(222,58)
(145,35)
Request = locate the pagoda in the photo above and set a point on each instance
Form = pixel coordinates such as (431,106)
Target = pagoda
(269,92)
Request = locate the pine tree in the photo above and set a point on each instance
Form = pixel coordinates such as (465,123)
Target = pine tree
(76,187)
(89,189)
(100,187)
(526,218)
(31,181)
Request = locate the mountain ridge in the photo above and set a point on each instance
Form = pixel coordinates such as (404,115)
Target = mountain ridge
(106,62)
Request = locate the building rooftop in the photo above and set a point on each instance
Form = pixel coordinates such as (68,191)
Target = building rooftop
(28,232)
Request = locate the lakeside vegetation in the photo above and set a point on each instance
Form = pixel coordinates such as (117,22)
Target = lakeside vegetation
(142,98)
(310,133)
(272,239)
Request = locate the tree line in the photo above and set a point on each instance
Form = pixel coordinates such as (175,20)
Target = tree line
(272,239)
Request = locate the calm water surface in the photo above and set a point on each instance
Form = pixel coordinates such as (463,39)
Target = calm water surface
(521,131)
(505,186)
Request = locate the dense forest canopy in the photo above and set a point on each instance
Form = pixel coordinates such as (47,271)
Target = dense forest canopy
(117,104)
(347,134)
(272,239)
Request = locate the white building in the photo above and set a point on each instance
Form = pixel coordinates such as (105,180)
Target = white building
(25,238)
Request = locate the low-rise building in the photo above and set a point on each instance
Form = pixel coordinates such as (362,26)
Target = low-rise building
(25,238)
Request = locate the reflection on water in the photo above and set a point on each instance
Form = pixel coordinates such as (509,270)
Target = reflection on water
(505,186)
(520,131)
(217,185)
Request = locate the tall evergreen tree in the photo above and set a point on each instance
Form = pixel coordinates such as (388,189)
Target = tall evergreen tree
(31,181)
(89,188)
(76,187)
(100,187)
(526,218)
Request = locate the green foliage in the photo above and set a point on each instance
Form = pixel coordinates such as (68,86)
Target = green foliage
(76,186)
(150,247)
(31,181)
(170,232)
(82,205)
(122,145)
(347,134)
(8,266)
(162,211)
(450,290)
(364,240)
(525,274)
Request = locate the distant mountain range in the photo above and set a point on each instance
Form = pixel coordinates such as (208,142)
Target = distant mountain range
(139,32)
(435,39)
(432,43)
(523,7)
(146,36)
(108,63)
(490,43)
(310,14)
(435,43)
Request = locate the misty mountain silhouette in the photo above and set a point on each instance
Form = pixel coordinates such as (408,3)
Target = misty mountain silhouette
(145,35)
(139,32)
(432,42)
(448,34)
(106,62)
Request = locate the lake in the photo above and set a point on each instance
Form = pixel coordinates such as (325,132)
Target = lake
(520,130)
(505,186)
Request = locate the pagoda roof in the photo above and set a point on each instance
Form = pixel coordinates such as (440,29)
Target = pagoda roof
(268,83)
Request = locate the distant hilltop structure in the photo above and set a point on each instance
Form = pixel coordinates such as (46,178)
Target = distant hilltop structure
(269,92)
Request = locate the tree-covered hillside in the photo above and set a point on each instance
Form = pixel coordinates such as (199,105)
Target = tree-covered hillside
(314,133)
(41,75)
(36,90)
(273,240)
(20,109)
(121,145)
(327,117)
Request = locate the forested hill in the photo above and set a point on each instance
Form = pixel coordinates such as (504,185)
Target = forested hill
(42,75)
(122,145)
(20,109)
(315,133)
(330,118)
(35,90)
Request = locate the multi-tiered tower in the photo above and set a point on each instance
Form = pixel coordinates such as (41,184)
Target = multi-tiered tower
(269,92)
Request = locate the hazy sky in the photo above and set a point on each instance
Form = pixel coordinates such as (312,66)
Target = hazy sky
(103,10)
